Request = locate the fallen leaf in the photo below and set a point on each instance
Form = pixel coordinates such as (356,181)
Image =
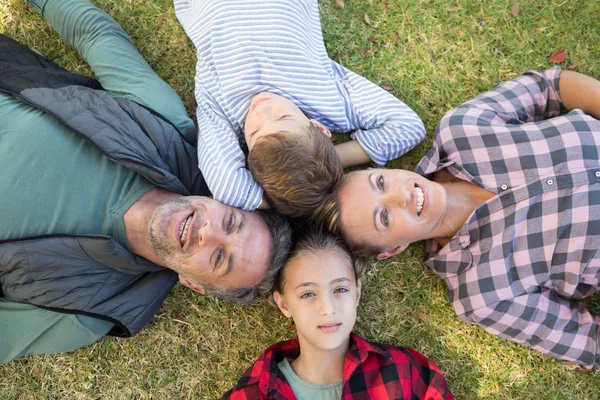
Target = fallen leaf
(558,56)
(394,37)
(373,38)
(573,67)
(387,86)
(339,4)
(422,315)
(367,19)
(514,10)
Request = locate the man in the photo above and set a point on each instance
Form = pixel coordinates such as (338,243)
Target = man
(99,215)
(508,201)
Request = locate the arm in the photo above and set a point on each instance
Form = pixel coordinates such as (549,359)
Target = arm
(580,91)
(545,322)
(222,161)
(386,128)
(426,380)
(27,329)
(114,58)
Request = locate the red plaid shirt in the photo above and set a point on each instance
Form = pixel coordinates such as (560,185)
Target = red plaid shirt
(371,371)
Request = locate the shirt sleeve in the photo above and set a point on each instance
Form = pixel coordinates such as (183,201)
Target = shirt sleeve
(222,161)
(386,128)
(545,322)
(427,381)
(533,96)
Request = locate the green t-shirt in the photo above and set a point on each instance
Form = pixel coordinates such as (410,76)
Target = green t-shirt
(55,182)
(308,391)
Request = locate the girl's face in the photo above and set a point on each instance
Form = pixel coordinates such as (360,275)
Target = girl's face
(321,294)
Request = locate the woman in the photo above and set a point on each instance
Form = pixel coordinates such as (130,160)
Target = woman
(508,201)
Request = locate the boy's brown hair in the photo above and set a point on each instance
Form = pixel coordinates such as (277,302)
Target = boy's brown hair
(297,172)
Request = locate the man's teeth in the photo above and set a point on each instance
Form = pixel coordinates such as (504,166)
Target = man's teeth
(183,230)
(420,199)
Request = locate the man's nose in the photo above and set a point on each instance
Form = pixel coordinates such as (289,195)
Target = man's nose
(210,234)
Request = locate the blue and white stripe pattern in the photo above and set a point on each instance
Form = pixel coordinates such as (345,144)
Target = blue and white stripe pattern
(246,47)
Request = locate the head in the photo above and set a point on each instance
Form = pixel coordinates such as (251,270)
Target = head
(270,113)
(319,288)
(297,171)
(220,250)
(382,211)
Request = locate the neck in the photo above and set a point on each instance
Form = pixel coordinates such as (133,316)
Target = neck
(462,199)
(320,367)
(137,222)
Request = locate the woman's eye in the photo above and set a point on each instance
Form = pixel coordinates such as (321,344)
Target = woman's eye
(384,218)
(341,290)
(307,295)
(284,116)
(380,182)
(229,223)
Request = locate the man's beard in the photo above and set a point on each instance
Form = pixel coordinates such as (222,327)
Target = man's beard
(165,251)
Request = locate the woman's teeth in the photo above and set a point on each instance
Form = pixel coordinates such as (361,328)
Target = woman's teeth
(420,199)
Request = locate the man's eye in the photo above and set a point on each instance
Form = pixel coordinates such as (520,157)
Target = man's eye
(380,182)
(307,295)
(229,223)
(384,218)
(341,290)
(219,257)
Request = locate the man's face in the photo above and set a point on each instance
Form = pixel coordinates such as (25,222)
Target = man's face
(386,208)
(269,113)
(207,242)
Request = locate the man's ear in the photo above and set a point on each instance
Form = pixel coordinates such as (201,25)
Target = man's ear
(320,127)
(196,287)
(392,251)
(280,301)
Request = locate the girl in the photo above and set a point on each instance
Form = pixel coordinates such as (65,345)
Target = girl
(319,288)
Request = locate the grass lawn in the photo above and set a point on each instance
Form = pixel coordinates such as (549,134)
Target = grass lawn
(434,55)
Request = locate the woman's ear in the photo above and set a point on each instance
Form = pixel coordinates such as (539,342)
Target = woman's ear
(320,127)
(281,304)
(390,252)
(358,291)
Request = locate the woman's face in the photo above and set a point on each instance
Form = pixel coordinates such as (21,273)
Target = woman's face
(321,294)
(390,208)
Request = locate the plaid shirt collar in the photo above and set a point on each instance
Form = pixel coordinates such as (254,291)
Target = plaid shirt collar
(270,379)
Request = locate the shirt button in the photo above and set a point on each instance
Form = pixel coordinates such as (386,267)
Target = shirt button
(598,174)
(504,187)
(550,182)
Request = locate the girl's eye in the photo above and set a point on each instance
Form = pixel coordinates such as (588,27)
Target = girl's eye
(341,290)
(380,182)
(307,295)
(384,218)
(229,223)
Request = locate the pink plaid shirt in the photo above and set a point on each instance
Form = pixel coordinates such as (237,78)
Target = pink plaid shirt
(523,259)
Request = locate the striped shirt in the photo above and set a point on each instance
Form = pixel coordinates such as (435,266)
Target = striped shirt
(246,47)
(523,259)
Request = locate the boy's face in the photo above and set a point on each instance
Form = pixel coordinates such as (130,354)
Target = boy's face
(321,295)
(269,113)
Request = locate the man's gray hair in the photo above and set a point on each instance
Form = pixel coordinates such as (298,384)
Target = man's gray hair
(281,243)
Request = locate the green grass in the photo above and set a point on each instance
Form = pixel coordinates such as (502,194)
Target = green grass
(436,54)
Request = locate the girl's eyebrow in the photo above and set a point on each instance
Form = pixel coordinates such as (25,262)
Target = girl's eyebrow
(338,280)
